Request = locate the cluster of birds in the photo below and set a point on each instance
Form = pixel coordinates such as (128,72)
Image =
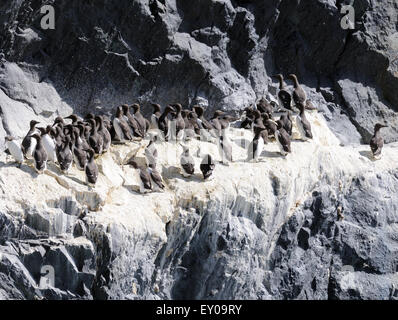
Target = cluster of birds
(82,140)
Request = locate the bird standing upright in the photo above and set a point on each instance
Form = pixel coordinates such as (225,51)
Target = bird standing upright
(377,142)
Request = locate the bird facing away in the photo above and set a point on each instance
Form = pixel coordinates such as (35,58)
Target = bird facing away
(299,95)
(284,97)
(377,142)
(187,162)
(91,169)
(207,166)
(145,177)
(157,180)
(39,155)
(283,139)
(303,125)
(122,129)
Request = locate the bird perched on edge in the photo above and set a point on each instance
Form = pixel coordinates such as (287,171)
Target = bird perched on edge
(377,142)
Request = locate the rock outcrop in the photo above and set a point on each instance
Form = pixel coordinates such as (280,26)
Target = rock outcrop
(266,230)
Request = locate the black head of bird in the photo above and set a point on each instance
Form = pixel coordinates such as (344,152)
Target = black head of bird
(156,107)
(177,107)
(198,110)
(33,123)
(218,113)
(378,126)
(293,77)
(136,107)
(58,120)
(119,112)
(169,109)
(133,163)
(89,116)
(126,109)
(73,117)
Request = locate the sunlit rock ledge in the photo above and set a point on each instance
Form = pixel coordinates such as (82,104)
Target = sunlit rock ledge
(228,238)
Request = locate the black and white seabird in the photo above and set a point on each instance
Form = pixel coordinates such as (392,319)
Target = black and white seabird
(193,119)
(157,180)
(82,133)
(156,113)
(287,122)
(145,177)
(226,121)
(187,162)
(299,95)
(132,122)
(377,142)
(258,120)
(189,124)
(163,123)
(257,145)
(91,169)
(96,141)
(177,125)
(15,150)
(225,148)
(207,166)
(202,120)
(283,139)
(151,153)
(49,144)
(74,118)
(270,124)
(39,155)
(303,125)
(64,155)
(122,129)
(216,121)
(284,97)
(29,143)
(79,154)
(103,131)
(143,124)
(265,106)
(207,131)
(247,118)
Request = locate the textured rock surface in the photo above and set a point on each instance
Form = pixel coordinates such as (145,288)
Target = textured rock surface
(266,230)
(221,53)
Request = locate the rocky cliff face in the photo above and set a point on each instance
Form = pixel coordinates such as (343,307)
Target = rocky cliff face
(221,53)
(258,231)
(267,230)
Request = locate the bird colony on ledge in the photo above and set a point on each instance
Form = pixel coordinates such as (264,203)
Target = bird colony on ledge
(83,140)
